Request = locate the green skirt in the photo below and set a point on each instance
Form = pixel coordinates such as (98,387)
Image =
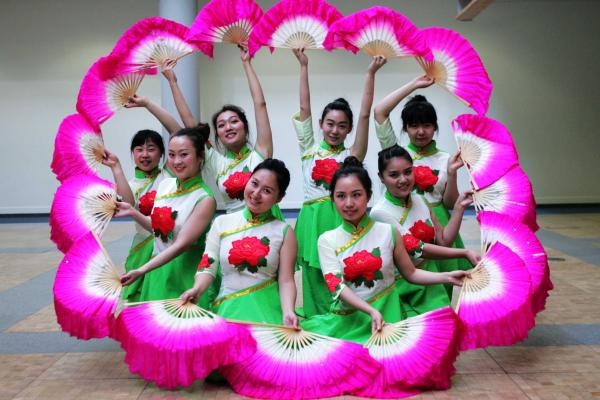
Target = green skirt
(421,299)
(139,254)
(314,219)
(354,325)
(258,303)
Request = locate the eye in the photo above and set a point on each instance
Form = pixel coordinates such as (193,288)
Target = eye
(340,196)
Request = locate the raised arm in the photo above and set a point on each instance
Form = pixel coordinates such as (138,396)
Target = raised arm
(304,87)
(389,102)
(447,235)
(112,161)
(162,115)
(361,140)
(451,190)
(287,285)
(181,104)
(264,136)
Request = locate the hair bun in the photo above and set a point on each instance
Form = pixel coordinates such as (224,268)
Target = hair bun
(417,98)
(352,161)
(203,131)
(342,100)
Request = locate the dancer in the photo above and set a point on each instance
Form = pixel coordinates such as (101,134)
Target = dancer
(435,170)
(319,162)
(183,209)
(255,253)
(409,213)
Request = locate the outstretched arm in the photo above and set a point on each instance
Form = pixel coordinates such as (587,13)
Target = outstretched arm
(180,103)
(264,136)
(359,148)
(389,102)
(162,115)
(112,161)
(304,87)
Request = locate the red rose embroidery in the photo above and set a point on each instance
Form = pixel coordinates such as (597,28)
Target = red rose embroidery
(422,231)
(333,282)
(147,202)
(323,171)
(425,178)
(205,262)
(411,244)
(163,222)
(363,267)
(235,184)
(249,253)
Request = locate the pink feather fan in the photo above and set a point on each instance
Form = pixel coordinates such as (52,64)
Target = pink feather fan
(105,89)
(86,289)
(494,305)
(294,24)
(457,68)
(224,21)
(174,344)
(486,159)
(81,204)
(520,239)
(292,364)
(149,43)
(418,352)
(78,148)
(378,31)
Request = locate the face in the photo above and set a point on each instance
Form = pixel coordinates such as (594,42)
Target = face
(147,156)
(335,127)
(231,130)
(420,134)
(183,160)
(398,177)
(350,198)
(261,191)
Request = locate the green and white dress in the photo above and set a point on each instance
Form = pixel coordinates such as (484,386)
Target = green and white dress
(318,213)
(173,205)
(437,162)
(359,259)
(246,252)
(231,172)
(412,218)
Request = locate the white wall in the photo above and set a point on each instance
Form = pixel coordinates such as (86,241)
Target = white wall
(541,55)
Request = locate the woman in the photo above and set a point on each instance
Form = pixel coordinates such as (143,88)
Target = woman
(319,162)
(147,149)
(359,259)
(255,254)
(183,209)
(435,170)
(410,214)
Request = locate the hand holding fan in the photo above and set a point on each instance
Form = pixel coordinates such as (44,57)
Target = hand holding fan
(293,364)
(494,304)
(294,24)
(224,21)
(456,66)
(81,204)
(86,289)
(378,31)
(78,148)
(105,90)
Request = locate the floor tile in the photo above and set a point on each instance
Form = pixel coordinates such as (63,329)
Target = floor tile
(17,371)
(18,268)
(42,321)
(522,359)
(105,365)
(77,389)
(476,362)
(555,386)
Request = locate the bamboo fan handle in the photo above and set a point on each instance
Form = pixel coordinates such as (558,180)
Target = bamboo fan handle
(239,321)
(137,303)
(472,181)
(105,252)
(462,291)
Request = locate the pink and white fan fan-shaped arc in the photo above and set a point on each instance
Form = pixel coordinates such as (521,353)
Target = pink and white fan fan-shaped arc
(174,344)
(494,304)
(104,89)
(81,204)
(519,238)
(457,67)
(378,31)
(149,43)
(292,364)
(416,353)
(224,21)
(486,159)
(86,289)
(78,148)
(294,24)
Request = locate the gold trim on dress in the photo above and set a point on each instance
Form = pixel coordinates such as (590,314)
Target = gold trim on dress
(179,192)
(142,244)
(244,292)
(234,164)
(356,236)
(251,224)
(370,301)
(317,200)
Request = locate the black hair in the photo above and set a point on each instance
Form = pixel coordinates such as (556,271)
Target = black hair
(148,135)
(395,151)
(418,111)
(198,136)
(352,166)
(340,105)
(239,111)
(279,169)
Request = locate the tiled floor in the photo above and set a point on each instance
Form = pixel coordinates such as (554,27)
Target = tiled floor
(560,360)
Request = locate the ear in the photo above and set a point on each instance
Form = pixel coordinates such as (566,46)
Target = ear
(380,176)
